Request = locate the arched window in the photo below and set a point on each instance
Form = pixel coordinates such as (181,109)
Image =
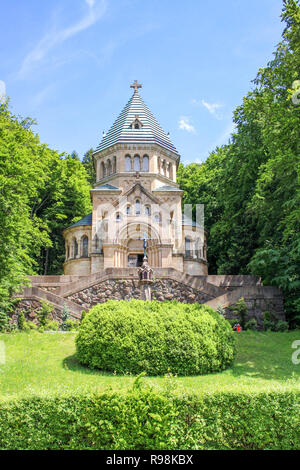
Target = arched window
(164,168)
(75,248)
(157,217)
(145,163)
(128,210)
(102,170)
(85,246)
(118,217)
(137,163)
(137,207)
(128,163)
(114,168)
(109,168)
(188,251)
(68,252)
(170,171)
(96,243)
(158,164)
(148,211)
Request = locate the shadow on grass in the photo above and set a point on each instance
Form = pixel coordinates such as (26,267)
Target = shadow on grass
(256,370)
(72,363)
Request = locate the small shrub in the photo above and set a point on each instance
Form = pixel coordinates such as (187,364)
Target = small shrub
(155,337)
(44,313)
(65,317)
(233,321)
(221,310)
(282,326)
(72,325)
(32,326)
(52,325)
(22,324)
(240,310)
(269,325)
(4,324)
(251,324)
(83,314)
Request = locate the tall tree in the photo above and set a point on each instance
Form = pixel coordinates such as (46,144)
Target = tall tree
(253,199)
(88,163)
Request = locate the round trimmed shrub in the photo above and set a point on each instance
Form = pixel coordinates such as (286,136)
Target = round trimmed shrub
(156,338)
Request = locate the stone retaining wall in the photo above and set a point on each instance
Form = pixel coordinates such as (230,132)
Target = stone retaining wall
(30,308)
(117,289)
(82,293)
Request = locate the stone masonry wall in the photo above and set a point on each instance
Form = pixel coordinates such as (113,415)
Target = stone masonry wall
(30,308)
(117,289)
(257,307)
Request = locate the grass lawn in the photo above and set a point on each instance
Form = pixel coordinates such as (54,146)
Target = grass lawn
(38,363)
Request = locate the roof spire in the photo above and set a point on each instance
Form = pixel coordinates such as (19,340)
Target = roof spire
(136,86)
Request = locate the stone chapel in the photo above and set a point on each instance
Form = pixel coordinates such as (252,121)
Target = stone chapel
(136,203)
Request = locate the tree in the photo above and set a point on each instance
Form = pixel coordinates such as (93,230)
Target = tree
(88,163)
(250,187)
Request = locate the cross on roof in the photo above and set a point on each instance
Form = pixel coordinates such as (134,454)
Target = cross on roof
(136,86)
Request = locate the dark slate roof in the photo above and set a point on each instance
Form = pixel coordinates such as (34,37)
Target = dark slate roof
(87,220)
(150,132)
(167,188)
(107,187)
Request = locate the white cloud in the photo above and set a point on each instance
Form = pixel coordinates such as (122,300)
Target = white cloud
(55,36)
(2,88)
(184,124)
(212,108)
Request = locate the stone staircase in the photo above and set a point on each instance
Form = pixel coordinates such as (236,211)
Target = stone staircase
(210,290)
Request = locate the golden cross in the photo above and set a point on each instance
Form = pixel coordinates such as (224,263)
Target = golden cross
(136,86)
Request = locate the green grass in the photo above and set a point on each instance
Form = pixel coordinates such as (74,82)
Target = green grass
(39,363)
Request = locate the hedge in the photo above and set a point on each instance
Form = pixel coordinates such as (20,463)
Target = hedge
(155,337)
(146,419)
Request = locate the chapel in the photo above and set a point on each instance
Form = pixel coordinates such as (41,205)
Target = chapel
(136,203)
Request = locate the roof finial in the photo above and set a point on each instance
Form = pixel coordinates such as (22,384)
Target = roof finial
(136,86)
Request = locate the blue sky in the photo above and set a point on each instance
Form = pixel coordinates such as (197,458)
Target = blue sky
(69,63)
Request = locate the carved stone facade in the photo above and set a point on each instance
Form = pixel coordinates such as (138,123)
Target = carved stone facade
(136,197)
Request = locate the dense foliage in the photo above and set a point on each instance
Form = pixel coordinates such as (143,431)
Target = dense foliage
(146,419)
(250,187)
(41,193)
(155,337)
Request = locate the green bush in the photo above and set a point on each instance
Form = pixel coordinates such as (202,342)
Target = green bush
(4,325)
(52,325)
(44,313)
(269,325)
(240,310)
(282,326)
(22,324)
(83,314)
(155,337)
(142,418)
(71,325)
(251,324)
